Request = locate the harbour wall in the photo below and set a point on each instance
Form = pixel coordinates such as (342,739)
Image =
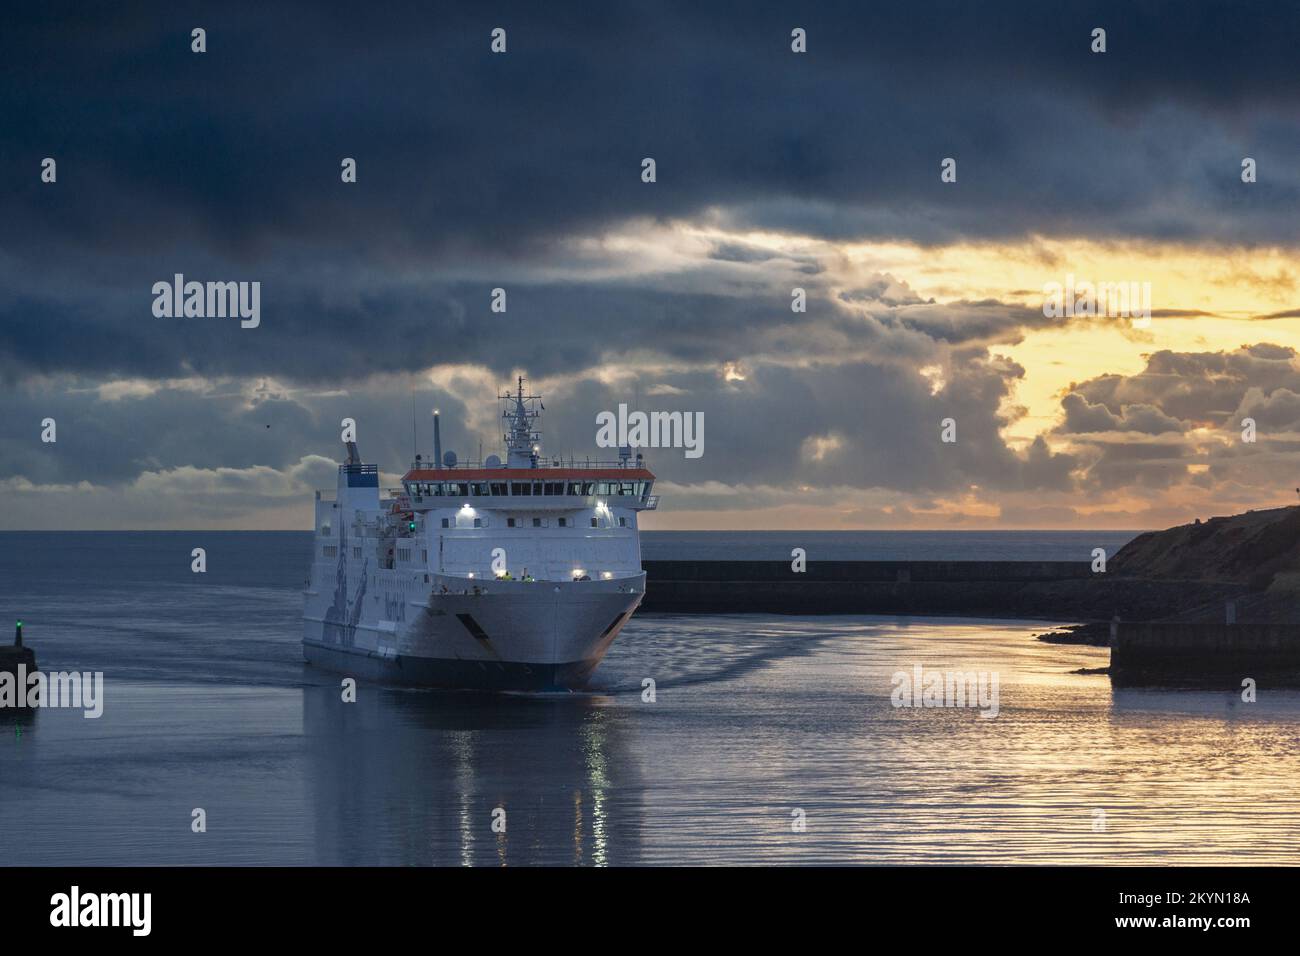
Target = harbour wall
(1142,652)
(1168,630)
(1053,590)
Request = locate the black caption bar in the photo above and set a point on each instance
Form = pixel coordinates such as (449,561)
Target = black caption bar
(338,905)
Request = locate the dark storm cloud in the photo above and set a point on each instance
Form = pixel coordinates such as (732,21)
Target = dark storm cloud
(1138,430)
(883,424)
(112,440)
(477,171)
(462,148)
(1138,465)
(311,332)
(1197,388)
(963,322)
(1082,417)
(1276,411)
(231,158)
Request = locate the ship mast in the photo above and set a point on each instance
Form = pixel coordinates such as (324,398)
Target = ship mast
(522,439)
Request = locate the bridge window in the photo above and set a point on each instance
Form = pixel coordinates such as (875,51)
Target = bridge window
(510,522)
(593,522)
(501,489)
(446,522)
(564,522)
(330,551)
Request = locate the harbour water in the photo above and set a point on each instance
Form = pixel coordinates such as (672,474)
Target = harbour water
(758,723)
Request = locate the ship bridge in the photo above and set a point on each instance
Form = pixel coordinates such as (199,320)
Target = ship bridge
(528,481)
(542,488)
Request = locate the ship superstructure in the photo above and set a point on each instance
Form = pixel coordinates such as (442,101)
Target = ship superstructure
(510,575)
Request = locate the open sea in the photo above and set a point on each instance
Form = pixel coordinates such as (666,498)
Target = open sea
(769,739)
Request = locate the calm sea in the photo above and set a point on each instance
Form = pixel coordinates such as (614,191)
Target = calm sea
(758,722)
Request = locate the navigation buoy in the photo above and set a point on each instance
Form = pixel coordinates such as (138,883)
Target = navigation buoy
(11,658)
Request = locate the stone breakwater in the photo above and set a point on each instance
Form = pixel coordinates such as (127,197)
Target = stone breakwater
(1045,590)
(1160,629)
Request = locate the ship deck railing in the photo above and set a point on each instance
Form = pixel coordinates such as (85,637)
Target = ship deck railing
(402,496)
(542,464)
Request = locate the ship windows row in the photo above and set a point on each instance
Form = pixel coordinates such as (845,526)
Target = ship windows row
(519,489)
(403,554)
(623,522)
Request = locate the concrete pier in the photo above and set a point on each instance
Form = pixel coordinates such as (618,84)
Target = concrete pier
(1053,590)
(1218,652)
(1167,631)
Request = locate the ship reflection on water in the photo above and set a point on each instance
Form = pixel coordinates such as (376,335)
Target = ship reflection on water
(405,777)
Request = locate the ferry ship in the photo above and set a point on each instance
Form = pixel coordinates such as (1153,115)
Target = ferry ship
(514,575)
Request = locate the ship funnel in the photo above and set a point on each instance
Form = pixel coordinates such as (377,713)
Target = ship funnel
(437,441)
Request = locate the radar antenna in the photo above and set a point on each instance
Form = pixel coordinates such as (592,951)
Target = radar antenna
(522,439)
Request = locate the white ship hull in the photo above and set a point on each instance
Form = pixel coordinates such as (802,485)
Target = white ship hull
(541,635)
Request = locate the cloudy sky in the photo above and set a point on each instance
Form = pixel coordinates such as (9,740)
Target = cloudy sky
(774,170)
